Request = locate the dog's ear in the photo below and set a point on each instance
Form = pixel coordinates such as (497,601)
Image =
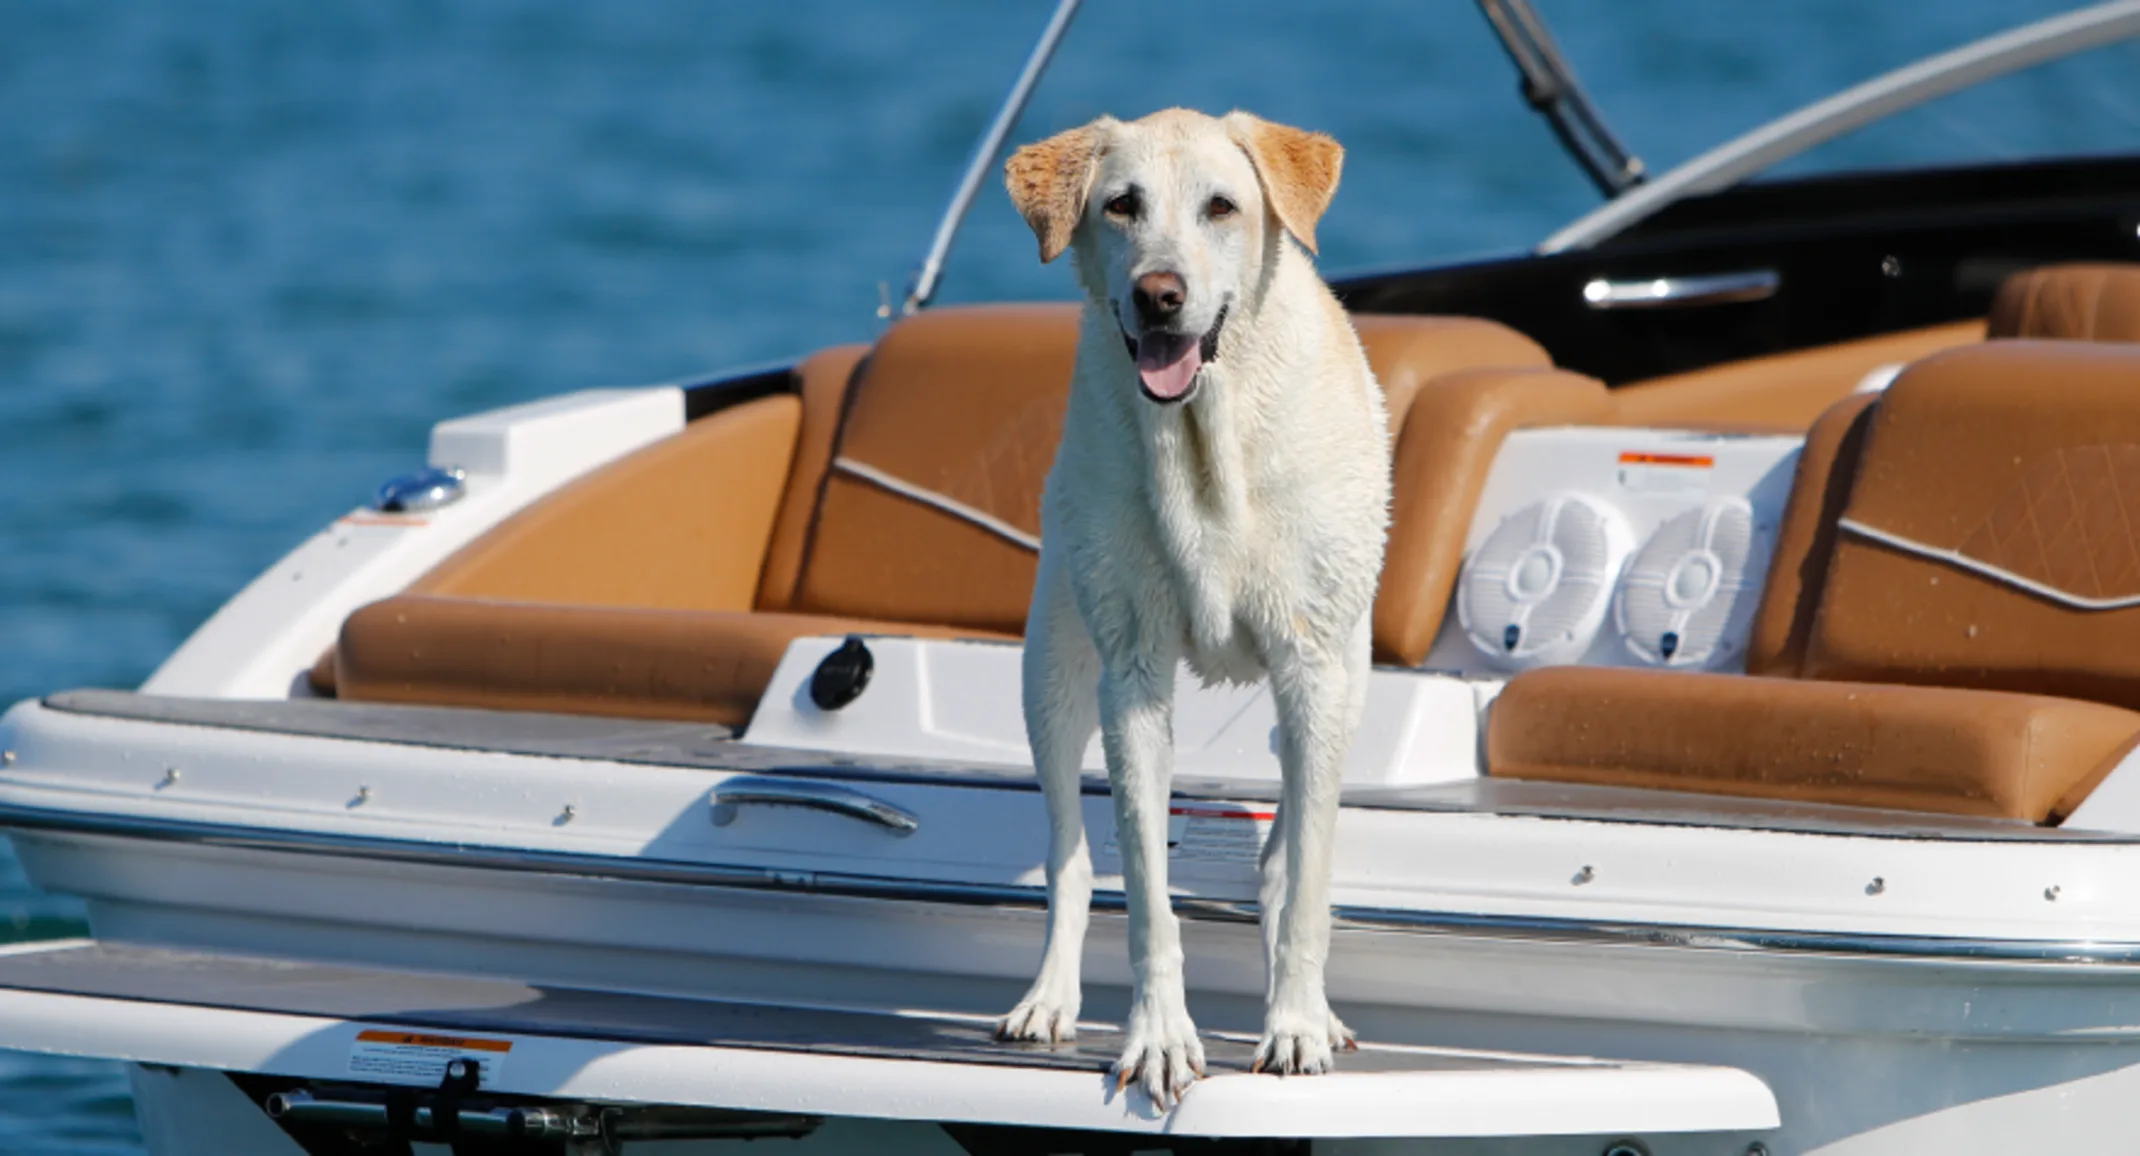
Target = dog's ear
(1299,170)
(1049,181)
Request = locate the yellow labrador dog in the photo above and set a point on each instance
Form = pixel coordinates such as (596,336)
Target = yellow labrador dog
(1221,495)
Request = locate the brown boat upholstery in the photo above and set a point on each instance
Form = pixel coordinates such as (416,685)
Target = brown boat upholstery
(2021,461)
(1805,539)
(1786,391)
(1956,752)
(1782,392)
(1964,540)
(896,493)
(633,662)
(821,382)
(1445,449)
(658,530)
(2071,302)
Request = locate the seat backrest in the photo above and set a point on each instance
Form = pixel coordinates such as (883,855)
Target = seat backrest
(2071,302)
(678,525)
(1445,450)
(1805,539)
(1983,537)
(928,505)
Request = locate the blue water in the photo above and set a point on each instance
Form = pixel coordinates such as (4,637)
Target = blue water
(250,250)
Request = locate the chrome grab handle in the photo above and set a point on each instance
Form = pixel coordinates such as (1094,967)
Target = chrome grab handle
(1682,292)
(837,800)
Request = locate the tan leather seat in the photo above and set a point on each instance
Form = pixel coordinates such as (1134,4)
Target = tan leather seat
(896,492)
(1955,752)
(706,665)
(1445,448)
(1992,507)
(1782,392)
(1954,559)
(2071,302)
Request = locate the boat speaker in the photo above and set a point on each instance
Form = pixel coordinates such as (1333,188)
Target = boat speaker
(1537,590)
(1689,592)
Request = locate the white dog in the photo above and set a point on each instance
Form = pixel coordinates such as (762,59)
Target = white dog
(1221,495)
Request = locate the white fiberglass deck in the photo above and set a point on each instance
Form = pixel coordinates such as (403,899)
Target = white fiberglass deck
(290,1018)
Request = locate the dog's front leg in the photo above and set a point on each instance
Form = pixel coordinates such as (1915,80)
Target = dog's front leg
(1137,724)
(1318,696)
(1062,672)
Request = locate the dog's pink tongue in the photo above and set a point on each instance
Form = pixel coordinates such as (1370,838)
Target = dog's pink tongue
(1168,364)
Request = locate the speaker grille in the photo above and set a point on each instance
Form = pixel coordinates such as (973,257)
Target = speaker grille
(1689,592)
(1536,591)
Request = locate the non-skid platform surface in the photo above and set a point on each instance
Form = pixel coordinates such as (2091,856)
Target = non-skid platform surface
(237,1013)
(439,1002)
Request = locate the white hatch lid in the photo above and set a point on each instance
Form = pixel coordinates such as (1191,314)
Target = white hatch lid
(313,1021)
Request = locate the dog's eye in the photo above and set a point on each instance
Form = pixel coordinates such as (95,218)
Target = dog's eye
(1123,206)
(1220,208)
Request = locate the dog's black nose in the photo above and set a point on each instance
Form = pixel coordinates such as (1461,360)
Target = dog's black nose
(1159,297)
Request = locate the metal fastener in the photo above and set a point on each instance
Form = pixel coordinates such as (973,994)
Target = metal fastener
(1878,885)
(170,778)
(568,814)
(1585,875)
(2051,893)
(1757,1148)
(364,795)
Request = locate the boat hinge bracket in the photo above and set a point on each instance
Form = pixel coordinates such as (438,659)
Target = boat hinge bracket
(336,1119)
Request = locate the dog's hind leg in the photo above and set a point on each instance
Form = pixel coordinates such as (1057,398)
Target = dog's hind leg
(1162,1053)
(1062,674)
(1319,697)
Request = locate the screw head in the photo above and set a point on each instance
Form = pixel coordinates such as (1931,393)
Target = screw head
(568,814)
(1878,885)
(2050,893)
(170,777)
(1585,875)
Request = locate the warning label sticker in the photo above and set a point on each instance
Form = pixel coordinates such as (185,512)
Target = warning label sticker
(1647,473)
(1212,832)
(421,1058)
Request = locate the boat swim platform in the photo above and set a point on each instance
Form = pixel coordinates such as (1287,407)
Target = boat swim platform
(375,1026)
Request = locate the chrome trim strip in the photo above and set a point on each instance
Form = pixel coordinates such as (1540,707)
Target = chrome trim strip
(1440,924)
(1824,120)
(828,797)
(1682,292)
(939,502)
(1982,569)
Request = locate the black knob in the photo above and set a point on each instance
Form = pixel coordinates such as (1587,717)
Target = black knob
(1511,636)
(843,675)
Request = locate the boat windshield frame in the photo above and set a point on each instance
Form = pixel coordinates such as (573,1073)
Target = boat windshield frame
(1884,96)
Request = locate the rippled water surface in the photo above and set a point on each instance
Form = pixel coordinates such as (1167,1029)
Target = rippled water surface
(250,250)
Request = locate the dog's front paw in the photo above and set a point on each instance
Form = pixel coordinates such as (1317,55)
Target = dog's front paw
(1163,1055)
(1302,1044)
(1039,1019)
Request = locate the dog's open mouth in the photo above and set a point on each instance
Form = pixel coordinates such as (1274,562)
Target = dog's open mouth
(1167,363)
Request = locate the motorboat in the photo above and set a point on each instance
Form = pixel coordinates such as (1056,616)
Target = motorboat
(1749,764)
